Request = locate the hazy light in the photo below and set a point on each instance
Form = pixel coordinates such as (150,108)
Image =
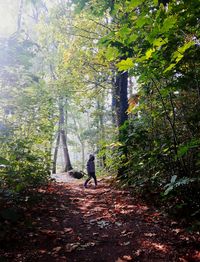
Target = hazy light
(8,17)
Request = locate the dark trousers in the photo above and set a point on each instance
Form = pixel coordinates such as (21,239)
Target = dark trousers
(91,175)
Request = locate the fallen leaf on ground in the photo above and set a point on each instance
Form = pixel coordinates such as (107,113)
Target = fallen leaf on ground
(54,219)
(47,231)
(57,249)
(149,234)
(72,246)
(68,230)
(125,243)
(84,246)
(127,258)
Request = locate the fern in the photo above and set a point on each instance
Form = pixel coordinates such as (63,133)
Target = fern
(174,183)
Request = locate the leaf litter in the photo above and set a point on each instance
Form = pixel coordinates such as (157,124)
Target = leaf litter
(81,225)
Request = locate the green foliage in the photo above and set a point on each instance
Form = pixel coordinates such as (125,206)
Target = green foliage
(28,166)
(159,45)
(27,121)
(125,65)
(174,184)
(3,161)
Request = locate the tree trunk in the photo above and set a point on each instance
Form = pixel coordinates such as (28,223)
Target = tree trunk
(77,128)
(114,102)
(121,112)
(19,19)
(82,154)
(56,152)
(100,108)
(121,97)
(68,165)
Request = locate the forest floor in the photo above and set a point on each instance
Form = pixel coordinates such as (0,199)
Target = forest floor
(66,222)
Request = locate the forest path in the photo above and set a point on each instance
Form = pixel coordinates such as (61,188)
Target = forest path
(70,223)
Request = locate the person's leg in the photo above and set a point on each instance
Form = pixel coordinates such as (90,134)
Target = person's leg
(87,180)
(95,179)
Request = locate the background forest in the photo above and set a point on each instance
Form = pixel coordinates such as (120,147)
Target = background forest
(116,78)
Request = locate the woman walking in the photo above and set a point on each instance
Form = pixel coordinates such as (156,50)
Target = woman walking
(91,171)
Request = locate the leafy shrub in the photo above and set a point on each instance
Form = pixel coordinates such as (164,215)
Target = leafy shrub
(26,165)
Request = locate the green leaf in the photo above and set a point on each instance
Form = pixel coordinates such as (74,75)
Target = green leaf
(183,149)
(159,42)
(169,23)
(134,3)
(124,32)
(173,178)
(125,64)
(186,46)
(166,150)
(178,55)
(19,187)
(141,59)
(3,161)
(168,190)
(105,40)
(132,38)
(111,53)
(142,21)
(165,92)
(149,52)
(169,67)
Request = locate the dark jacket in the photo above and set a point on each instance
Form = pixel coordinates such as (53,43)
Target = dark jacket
(91,165)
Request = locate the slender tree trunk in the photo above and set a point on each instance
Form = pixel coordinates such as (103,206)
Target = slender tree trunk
(56,152)
(82,154)
(77,128)
(100,108)
(68,165)
(114,102)
(19,19)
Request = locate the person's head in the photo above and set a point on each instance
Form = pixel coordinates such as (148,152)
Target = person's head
(91,157)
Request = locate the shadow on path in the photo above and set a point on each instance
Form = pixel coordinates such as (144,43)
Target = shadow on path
(71,223)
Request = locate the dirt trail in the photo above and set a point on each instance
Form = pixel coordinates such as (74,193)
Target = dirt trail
(71,223)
